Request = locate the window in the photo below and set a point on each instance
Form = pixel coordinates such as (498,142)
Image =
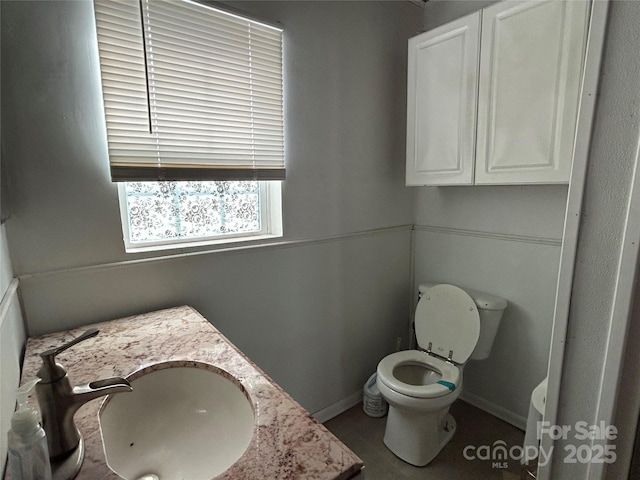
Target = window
(190,213)
(193,108)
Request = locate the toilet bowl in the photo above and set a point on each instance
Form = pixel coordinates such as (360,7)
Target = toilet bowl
(420,385)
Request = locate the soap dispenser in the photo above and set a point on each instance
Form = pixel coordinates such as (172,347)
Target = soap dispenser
(28,451)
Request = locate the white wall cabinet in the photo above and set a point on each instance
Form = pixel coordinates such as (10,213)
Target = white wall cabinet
(493,97)
(442,92)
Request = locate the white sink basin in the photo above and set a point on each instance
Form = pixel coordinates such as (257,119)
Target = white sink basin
(178,423)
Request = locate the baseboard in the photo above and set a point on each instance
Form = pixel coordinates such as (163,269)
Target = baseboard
(339,407)
(497,411)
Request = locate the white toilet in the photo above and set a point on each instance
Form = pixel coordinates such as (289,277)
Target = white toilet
(452,326)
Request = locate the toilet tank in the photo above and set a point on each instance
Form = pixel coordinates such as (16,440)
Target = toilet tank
(490,309)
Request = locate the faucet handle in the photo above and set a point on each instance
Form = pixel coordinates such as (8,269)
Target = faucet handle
(52,371)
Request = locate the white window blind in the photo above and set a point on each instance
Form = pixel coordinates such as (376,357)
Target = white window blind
(190,92)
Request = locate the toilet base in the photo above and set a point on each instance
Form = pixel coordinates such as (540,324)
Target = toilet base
(418,437)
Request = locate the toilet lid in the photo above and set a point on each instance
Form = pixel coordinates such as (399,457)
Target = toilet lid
(448,318)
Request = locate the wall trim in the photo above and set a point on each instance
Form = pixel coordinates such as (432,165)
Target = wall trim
(497,411)
(491,235)
(242,249)
(7,299)
(339,407)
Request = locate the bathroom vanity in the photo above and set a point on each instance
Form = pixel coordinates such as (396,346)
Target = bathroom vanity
(287,442)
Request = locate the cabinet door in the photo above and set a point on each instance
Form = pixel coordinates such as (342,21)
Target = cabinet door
(441,103)
(530,74)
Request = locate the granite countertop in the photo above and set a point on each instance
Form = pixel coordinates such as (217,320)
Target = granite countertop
(288,443)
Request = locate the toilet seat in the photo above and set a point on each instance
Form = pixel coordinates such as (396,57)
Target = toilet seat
(450,374)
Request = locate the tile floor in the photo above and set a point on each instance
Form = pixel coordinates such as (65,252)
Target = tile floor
(363,434)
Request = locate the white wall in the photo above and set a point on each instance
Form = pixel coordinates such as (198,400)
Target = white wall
(503,240)
(438,12)
(498,251)
(334,298)
(345,71)
(318,300)
(12,334)
(597,277)
(12,340)
(341,290)
(524,273)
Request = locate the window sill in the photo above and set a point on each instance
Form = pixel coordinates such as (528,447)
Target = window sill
(210,244)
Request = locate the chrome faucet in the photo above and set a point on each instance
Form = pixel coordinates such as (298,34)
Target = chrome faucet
(59,402)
